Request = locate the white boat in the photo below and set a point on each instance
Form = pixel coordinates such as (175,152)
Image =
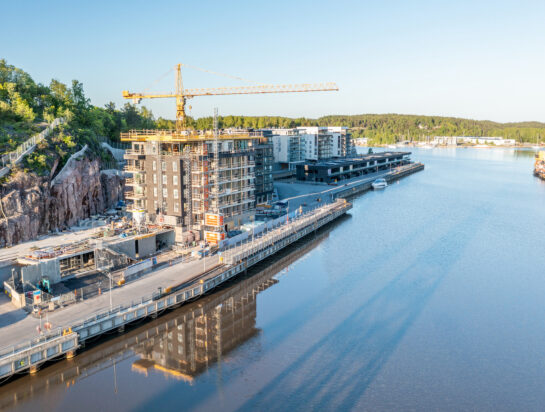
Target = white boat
(379,184)
(392,146)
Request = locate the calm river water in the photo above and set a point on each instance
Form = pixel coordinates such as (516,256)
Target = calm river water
(429,295)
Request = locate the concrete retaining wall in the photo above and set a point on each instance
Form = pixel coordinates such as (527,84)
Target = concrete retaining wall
(34,273)
(128,247)
(146,246)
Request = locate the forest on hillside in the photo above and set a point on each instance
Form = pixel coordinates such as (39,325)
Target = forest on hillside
(383,128)
(26,106)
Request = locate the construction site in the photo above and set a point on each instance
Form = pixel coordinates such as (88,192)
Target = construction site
(188,226)
(202,185)
(205,183)
(50,277)
(189,192)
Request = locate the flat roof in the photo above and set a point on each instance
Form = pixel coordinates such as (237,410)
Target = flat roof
(358,159)
(83,245)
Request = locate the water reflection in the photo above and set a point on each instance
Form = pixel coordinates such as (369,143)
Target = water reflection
(190,343)
(180,345)
(335,372)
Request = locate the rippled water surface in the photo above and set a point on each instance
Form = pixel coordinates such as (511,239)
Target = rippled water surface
(429,295)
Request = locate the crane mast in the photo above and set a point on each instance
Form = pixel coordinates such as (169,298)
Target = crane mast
(180,99)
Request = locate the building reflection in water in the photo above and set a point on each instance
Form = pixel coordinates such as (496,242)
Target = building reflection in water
(182,344)
(200,337)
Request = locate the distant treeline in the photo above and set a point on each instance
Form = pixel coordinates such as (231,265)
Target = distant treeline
(383,128)
(24,104)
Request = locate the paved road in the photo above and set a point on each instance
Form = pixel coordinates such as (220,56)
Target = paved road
(299,193)
(24,328)
(9,314)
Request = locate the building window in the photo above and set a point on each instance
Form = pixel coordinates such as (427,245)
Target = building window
(174,166)
(155,178)
(175,180)
(165,194)
(176,208)
(164,179)
(155,192)
(154,165)
(163,166)
(175,193)
(155,206)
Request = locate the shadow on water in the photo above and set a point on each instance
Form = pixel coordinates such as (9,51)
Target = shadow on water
(339,367)
(181,344)
(282,327)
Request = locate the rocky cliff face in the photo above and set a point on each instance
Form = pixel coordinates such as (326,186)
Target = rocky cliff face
(31,206)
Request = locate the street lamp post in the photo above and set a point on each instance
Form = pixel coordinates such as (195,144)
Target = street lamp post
(110,276)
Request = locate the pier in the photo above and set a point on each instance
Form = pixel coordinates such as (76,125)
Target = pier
(26,355)
(172,286)
(237,306)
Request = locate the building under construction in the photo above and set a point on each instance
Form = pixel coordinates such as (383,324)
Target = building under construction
(203,182)
(200,182)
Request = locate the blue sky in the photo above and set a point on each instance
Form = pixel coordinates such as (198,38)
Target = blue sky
(476,59)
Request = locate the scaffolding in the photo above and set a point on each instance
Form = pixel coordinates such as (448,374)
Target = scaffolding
(217,174)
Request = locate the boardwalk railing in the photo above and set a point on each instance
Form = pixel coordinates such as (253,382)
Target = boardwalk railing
(158,301)
(8,160)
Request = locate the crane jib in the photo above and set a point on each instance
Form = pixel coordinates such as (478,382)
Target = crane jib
(182,94)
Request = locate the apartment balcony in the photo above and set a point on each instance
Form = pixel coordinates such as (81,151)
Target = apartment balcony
(131,154)
(223,181)
(224,168)
(135,207)
(230,192)
(134,168)
(200,184)
(134,182)
(200,170)
(131,194)
(200,196)
(234,179)
(238,204)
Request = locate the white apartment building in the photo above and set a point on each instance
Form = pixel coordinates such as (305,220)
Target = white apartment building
(310,143)
(498,141)
(454,140)
(288,145)
(326,142)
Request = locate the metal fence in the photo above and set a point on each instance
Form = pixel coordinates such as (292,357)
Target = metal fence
(189,290)
(112,143)
(15,156)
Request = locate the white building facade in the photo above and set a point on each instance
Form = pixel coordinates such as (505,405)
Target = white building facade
(292,146)
(288,146)
(454,140)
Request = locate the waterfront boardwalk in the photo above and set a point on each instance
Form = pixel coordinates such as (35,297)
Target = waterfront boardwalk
(74,324)
(22,348)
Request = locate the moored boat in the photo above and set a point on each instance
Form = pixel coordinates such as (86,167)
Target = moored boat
(379,184)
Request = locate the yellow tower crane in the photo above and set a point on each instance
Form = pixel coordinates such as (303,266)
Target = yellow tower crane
(182,94)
